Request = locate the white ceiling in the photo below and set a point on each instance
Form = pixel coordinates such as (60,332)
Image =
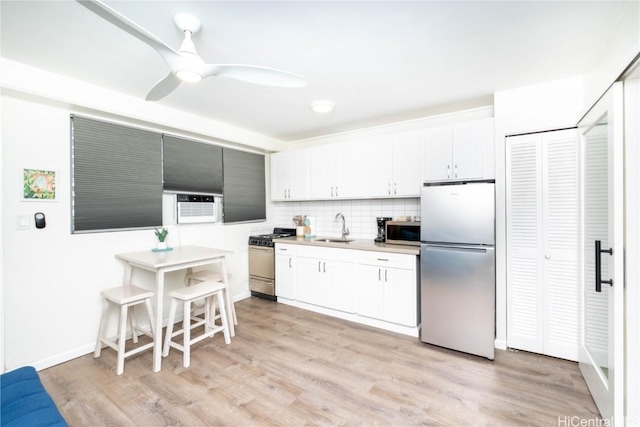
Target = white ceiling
(380,61)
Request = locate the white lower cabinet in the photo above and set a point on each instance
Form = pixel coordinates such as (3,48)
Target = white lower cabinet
(285,271)
(370,287)
(386,287)
(325,277)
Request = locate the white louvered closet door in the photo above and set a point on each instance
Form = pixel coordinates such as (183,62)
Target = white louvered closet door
(561,243)
(543,225)
(524,241)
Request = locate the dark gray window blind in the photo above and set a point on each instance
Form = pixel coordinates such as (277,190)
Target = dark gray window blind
(191,166)
(244,186)
(117,176)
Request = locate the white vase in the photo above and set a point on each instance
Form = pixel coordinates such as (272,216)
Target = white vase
(161,245)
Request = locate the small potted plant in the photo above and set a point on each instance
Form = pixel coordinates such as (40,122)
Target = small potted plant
(161,235)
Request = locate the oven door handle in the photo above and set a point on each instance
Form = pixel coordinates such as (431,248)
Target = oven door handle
(260,248)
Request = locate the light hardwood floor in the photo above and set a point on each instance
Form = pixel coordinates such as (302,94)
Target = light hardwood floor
(291,367)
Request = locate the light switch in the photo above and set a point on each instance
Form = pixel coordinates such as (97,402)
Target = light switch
(23,222)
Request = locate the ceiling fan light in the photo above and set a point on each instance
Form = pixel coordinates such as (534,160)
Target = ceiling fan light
(322,106)
(188,76)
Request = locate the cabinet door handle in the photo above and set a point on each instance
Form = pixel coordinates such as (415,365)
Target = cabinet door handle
(336,191)
(389,188)
(379,274)
(394,188)
(331,191)
(324,267)
(289,193)
(319,271)
(382,259)
(455,171)
(385,275)
(285,193)
(289,262)
(448,171)
(598,252)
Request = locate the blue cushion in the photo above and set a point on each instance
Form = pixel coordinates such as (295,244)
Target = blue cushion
(25,402)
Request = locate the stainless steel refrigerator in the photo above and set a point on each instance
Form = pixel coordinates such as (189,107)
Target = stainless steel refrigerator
(457,260)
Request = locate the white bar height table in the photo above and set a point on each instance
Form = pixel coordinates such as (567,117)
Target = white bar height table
(180,258)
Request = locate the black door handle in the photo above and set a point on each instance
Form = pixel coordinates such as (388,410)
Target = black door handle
(599,251)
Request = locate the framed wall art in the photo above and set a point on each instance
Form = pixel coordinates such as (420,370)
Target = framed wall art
(38,185)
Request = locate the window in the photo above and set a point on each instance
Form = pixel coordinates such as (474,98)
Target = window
(191,166)
(116,176)
(119,174)
(244,186)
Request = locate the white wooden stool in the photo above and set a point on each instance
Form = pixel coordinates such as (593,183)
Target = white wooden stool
(124,297)
(207,290)
(213,276)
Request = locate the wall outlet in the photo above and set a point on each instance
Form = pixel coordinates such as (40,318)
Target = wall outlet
(23,222)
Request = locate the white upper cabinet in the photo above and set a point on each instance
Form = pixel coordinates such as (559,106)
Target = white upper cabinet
(379,174)
(437,153)
(384,165)
(407,149)
(393,165)
(336,171)
(459,151)
(289,175)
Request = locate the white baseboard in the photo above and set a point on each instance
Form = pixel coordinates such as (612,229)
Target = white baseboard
(393,327)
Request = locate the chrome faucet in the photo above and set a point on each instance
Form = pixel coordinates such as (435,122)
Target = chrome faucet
(345,230)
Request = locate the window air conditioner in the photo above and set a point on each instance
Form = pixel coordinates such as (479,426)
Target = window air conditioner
(198,208)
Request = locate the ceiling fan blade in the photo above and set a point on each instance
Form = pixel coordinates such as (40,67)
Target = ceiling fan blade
(254,74)
(163,88)
(170,56)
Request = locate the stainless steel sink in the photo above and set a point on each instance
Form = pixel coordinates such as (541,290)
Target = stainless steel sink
(333,240)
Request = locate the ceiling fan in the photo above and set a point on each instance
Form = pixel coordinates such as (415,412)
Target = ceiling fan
(186,65)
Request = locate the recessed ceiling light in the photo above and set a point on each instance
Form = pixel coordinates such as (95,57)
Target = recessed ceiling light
(322,106)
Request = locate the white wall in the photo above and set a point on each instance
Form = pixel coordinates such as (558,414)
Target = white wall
(614,54)
(28,82)
(632,244)
(52,278)
(2,294)
(404,126)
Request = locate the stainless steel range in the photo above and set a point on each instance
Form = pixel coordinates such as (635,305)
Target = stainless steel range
(262,274)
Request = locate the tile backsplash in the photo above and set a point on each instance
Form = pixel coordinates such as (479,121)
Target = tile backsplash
(360,215)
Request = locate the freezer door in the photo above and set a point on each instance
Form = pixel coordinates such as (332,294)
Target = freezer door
(458,213)
(458,298)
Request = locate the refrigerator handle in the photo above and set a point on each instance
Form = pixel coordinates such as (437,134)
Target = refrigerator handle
(458,248)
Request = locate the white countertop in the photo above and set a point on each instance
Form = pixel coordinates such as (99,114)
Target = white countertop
(359,244)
